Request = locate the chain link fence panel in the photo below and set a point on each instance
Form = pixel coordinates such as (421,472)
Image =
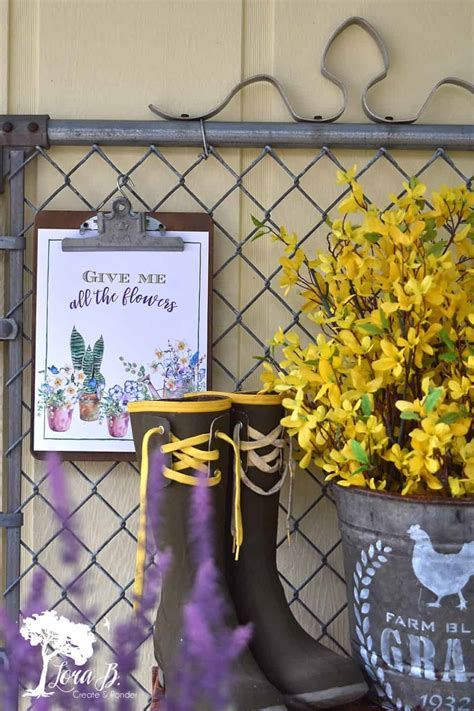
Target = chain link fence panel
(295,187)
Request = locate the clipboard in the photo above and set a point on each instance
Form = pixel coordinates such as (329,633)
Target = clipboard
(122,312)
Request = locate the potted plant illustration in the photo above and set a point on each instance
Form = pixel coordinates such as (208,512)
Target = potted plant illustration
(113,406)
(181,370)
(57,395)
(381,400)
(143,378)
(88,361)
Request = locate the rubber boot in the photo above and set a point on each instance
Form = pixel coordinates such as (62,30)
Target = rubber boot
(185,419)
(308,674)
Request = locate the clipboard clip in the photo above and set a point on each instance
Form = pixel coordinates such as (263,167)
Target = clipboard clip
(122,230)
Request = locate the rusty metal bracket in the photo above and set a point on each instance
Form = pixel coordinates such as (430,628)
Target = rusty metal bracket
(21,131)
(24,131)
(8,329)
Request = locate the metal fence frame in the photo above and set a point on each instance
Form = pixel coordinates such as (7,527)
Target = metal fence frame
(17,153)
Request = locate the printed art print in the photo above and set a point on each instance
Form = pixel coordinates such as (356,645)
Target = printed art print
(111,328)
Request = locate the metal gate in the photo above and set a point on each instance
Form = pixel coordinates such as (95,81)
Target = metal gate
(168,163)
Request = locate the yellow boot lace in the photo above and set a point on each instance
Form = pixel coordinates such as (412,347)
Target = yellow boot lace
(186,456)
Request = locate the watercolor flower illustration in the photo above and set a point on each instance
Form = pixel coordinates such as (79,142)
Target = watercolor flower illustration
(59,389)
(179,367)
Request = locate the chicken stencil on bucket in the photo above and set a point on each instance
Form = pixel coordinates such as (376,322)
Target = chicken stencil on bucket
(444,574)
(415,642)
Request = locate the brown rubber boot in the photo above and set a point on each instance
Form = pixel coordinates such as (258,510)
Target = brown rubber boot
(308,674)
(173,420)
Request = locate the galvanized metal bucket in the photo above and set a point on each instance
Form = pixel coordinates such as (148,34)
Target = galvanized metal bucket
(410,579)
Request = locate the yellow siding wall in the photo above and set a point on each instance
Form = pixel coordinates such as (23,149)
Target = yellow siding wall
(108,59)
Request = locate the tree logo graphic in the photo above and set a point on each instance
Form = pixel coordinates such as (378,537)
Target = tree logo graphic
(57,636)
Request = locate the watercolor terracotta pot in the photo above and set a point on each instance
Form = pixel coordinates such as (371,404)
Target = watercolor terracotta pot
(59,418)
(409,565)
(89,407)
(118,424)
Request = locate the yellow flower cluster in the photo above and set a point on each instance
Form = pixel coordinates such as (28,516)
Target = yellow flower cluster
(383,397)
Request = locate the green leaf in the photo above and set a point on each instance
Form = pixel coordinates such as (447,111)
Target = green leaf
(448,357)
(383,319)
(98,354)
(370,328)
(259,234)
(437,249)
(413,182)
(366,405)
(363,468)
(409,415)
(372,237)
(430,230)
(432,399)
(78,348)
(444,335)
(359,452)
(451,417)
(256,222)
(88,363)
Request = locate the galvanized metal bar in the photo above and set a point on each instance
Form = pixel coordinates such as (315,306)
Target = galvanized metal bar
(259,134)
(11,520)
(14,389)
(12,243)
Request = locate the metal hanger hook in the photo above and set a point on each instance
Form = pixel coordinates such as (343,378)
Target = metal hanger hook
(204,140)
(123,181)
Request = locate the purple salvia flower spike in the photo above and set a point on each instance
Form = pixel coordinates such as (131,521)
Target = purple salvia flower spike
(36,600)
(201,522)
(131,634)
(61,501)
(203,668)
(57,486)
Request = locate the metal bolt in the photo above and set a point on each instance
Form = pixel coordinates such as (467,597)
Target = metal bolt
(7,127)
(33,127)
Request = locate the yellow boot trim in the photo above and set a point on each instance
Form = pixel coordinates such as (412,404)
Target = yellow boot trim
(248,398)
(243,397)
(214,393)
(188,458)
(190,405)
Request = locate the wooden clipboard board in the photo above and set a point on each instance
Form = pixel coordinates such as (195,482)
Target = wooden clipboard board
(145,316)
